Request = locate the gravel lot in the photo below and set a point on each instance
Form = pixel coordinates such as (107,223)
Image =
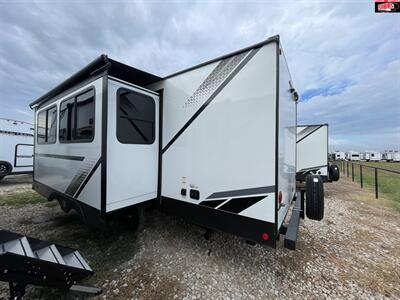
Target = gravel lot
(353,253)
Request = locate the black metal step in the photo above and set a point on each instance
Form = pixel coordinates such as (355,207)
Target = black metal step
(25,260)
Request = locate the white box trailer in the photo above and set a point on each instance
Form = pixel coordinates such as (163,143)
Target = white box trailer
(391,155)
(16,147)
(396,156)
(312,153)
(215,143)
(339,155)
(371,156)
(353,155)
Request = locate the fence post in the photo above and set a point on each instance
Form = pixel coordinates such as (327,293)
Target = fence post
(347,168)
(352,172)
(361,179)
(376,183)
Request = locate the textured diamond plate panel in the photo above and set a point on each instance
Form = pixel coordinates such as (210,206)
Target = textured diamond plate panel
(213,81)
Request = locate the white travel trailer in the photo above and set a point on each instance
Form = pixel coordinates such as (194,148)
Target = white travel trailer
(16,147)
(396,156)
(312,153)
(353,155)
(215,143)
(391,155)
(371,156)
(339,155)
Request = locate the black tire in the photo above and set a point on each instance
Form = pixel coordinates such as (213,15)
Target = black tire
(1,177)
(5,168)
(132,218)
(334,173)
(314,197)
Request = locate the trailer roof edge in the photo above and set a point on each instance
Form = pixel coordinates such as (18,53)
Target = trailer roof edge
(271,39)
(100,64)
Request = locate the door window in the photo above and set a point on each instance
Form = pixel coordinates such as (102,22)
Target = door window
(135,118)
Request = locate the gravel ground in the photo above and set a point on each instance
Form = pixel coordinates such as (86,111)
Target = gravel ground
(353,253)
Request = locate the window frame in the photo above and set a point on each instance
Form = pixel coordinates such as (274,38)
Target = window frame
(46,110)
(118,113)
(74,97)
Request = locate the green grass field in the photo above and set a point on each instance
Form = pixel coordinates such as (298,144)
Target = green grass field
(388,183)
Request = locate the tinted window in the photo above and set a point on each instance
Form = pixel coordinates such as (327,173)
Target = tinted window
(47,126)
(85,116)
(77,118)
(41,127)
(66,120)
(135,118)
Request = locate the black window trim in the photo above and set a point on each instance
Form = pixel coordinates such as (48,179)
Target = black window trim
(74,97)
(124,89)
(46,110)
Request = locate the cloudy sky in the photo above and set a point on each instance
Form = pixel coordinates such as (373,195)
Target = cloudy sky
(344,58)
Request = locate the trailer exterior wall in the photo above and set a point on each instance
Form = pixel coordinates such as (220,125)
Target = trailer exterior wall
(312,150)
(63,167)
(286,140)
(16,145)
(226,150)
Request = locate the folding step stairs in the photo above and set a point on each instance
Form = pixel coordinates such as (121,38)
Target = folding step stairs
(25,260)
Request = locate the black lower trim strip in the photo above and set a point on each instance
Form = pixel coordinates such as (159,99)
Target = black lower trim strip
(245,227)
(68,157)
(243,192)
(89,214)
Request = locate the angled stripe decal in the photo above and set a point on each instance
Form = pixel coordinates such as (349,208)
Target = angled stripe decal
(230,63)
(311,132)
(79,177)
(87,178)
(311,168)
(236,205)
(212,203)
(243,192)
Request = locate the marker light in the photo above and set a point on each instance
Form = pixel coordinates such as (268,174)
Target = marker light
(265,236)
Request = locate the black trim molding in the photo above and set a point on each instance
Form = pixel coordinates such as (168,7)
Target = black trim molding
(68,157)
(243,192)
(245,227)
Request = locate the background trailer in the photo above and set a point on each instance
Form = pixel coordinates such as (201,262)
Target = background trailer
(312,153)
(215,143)
(16,147)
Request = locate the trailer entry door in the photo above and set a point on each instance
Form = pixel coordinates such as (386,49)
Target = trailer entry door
(132,156)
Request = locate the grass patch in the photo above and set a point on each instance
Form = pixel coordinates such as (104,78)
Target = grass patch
(21,199)
(388,183)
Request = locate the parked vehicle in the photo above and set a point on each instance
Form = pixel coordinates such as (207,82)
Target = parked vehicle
(215,143)
(396,156)
(391,155)
(312,153)
(16,147)
(353,155)
(371,156)
(338,155)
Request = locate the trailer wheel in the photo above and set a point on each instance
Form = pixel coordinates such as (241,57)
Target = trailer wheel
(131,218)
(314,197)
(334,173)
(5,168)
